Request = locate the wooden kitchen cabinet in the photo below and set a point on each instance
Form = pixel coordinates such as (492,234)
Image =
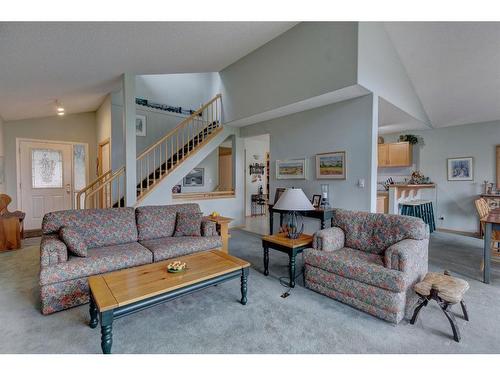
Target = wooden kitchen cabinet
(395,154)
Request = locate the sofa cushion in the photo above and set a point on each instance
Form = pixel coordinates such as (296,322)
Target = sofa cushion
(357,265)
(100,227)
(74,241)
(159,221)
(188,224)
(98,260)
(171,247)
(376,232)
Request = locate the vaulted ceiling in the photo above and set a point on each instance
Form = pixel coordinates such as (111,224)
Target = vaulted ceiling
(81,62)
(454,68)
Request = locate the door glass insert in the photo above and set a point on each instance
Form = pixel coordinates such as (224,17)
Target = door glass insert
(46,168)
(80,168)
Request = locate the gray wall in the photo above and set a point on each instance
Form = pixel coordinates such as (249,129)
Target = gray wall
(380,70)
(79,128)
(343,126)
(184,90)
(455,199)
(310,59)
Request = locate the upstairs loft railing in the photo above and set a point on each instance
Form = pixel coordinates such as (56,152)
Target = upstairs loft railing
(158,160)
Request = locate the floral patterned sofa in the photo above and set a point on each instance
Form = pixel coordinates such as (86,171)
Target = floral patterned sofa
(116,238)
(369,261)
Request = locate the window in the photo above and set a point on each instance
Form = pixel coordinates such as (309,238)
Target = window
(47,168)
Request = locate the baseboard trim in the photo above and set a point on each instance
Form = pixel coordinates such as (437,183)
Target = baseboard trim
(462,233)
(30,233)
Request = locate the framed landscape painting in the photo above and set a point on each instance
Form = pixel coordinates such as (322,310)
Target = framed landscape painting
(460,169)
(291,169)
(331,165)
(195,178)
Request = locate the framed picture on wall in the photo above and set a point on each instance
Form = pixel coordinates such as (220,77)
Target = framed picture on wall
(331,166)
(291,169)
(140,125)
(195,178)
(460,169)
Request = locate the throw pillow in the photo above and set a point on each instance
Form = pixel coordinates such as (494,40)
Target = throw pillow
(188,224)
(74,241)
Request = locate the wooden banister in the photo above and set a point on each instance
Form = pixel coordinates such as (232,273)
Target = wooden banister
(158,160)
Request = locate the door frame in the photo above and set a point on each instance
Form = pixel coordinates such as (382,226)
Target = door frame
(18,165)
(100,145)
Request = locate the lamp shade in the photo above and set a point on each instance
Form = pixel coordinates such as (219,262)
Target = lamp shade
(293,200)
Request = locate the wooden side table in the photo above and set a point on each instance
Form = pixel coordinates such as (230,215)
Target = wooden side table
(288,246)
(222,224)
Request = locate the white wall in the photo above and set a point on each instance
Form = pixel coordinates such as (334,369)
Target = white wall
(211,166)
(189,91)
(311,59)
(344,126)
(455,199)
(380,70)
(254,146)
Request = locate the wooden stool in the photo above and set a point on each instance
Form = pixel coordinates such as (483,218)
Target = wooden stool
(446,291)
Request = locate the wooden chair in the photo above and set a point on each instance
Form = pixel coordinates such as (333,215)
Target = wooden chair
(11,225)
(483,209)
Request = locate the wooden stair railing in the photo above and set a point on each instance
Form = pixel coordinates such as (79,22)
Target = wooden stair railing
(106,191)
(158,160)
(161,158)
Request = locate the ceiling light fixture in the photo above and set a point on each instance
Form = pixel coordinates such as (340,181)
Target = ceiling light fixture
(59,108)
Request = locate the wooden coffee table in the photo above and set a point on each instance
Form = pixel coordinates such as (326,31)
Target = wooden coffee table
(116,294)
(288,246)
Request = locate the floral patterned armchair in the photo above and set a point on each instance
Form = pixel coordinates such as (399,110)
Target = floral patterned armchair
(369,261)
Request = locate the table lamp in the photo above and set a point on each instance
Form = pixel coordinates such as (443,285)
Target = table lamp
(294,201)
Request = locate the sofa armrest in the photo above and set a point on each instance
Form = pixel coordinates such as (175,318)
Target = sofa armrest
(329,239)
(408,256)
(52,250)
(208,228)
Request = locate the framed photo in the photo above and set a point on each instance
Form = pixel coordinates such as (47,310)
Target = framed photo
(460,169)
(278,193)
(293,169)
(140,125)
(195,178)
(331,165)
(316,200)
(177,189)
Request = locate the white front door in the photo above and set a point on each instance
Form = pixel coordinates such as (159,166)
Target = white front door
(45,183)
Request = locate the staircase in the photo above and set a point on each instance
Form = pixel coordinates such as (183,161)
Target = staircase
(158,161)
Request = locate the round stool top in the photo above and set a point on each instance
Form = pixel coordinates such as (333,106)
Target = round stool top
(450,289)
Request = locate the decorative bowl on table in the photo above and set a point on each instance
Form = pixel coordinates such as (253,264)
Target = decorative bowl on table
(176,267)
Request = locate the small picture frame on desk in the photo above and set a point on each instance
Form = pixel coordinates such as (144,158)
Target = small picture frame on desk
(316,200)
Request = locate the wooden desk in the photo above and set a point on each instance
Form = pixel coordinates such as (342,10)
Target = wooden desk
(320,214)
(491,223)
